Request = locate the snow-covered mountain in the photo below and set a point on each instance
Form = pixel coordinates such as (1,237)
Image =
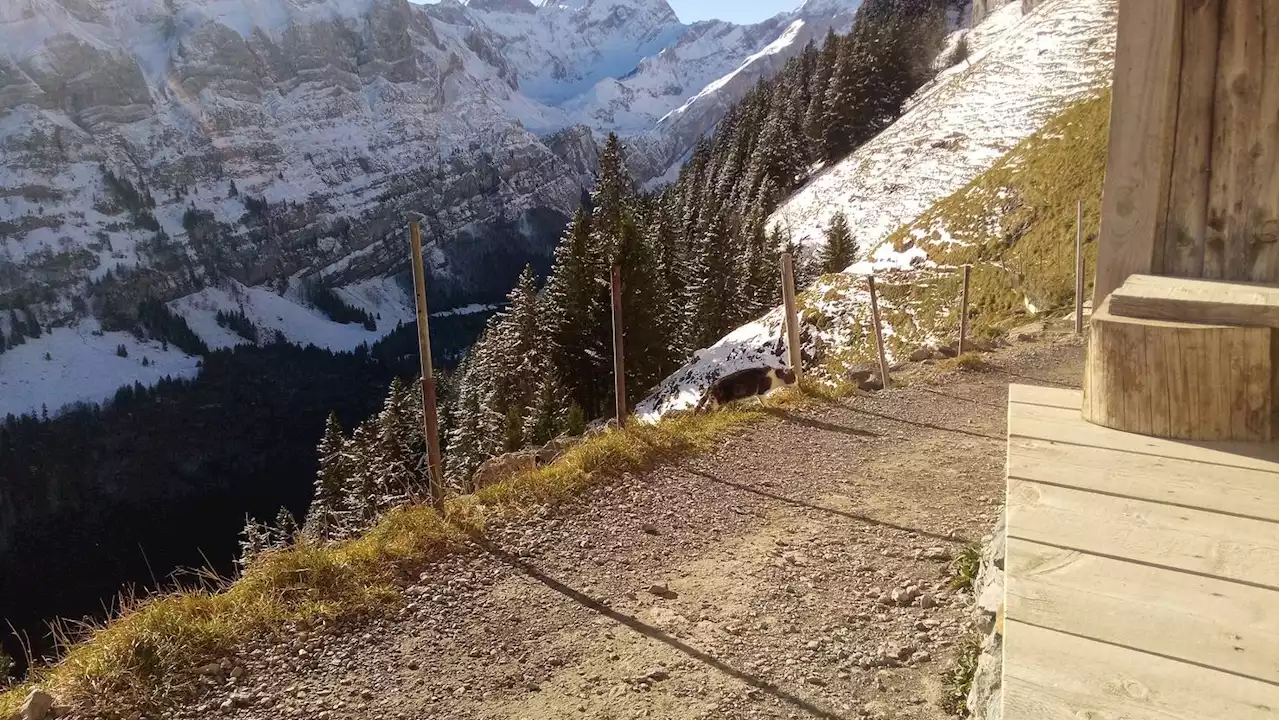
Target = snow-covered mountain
(1027,61)
(166,147)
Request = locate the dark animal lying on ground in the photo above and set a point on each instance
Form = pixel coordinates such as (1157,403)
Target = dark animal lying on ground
(744,383)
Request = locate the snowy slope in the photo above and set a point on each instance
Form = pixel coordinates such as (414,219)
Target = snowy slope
(82,366)
(1022,69)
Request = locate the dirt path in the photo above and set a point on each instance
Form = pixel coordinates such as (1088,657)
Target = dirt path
(799,571)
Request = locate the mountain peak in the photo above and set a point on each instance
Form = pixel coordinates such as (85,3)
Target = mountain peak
(509,6)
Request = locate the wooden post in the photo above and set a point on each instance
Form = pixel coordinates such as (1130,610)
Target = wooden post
(1079,267)
(619,371)
(964,309)
(430,425)
(875,319)
(790,322)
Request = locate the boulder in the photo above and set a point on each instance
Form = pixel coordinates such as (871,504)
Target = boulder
(497,469)
(555,447)
(36,706)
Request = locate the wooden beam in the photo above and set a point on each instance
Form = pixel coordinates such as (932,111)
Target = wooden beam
(875,322)
(1241,239)
(430,422)
(1181,251)
(791,323)
(1212,302)
(1140,154)
(619,363)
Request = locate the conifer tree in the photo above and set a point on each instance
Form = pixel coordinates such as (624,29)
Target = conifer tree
(255,537)
(546,417)
(325,517)
(837,253)
(285,530)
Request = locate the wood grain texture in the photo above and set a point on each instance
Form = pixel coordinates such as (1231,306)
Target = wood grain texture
(1243,154)
(1182,250)
(1139,159)
(1066,426)
(1182,380)
(1050,675)
(1250,493)
(1197,541)
(1222,624)
(1213,302)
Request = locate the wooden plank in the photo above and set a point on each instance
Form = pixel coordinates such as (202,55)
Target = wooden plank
(1221,624)
(1241,151)
(1039,395)
(1251,493)
(1140,154)
(1266,265)
(1198,541)
(1160,374)
(1050,675)
(1064,425)
(1182,251)
(1211,302)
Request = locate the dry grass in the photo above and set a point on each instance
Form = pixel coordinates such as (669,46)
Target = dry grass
(143,657)
(970,361)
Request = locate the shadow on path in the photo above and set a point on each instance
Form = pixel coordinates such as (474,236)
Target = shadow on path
(822,508)
(782,414)
(652,632)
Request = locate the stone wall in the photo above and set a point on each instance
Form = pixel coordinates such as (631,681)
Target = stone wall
(988,616)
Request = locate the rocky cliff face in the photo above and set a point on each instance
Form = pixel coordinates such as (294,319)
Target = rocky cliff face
(162,146)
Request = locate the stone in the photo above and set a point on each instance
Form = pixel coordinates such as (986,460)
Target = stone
(649,529)
(662,591)
(36,706)
(902,596)
(499,468)
(927,601)
(658,674)
(936,553)
(815,680)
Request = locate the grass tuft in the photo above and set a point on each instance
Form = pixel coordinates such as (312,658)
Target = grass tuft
(143,658)
(959,677)
(971,361)
(965,566)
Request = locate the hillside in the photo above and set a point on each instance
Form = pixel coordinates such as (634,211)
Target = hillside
(1003,203)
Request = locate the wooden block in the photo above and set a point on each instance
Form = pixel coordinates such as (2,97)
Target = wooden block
(1212,302)
(1179,379)
(1050,675)
(1198,541)
(1222,624)
(1143,116)
(1248,493)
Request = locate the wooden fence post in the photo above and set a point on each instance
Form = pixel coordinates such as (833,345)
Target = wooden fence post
(964,310)
(1079,267)
(790,323)
(875,319)
(619,376)
(430,425)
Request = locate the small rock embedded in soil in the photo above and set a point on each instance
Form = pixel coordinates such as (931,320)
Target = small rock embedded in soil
(662,591)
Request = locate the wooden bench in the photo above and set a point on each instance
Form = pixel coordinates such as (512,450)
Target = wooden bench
(1180,358)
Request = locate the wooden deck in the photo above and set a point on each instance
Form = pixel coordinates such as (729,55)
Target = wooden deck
(1141,574)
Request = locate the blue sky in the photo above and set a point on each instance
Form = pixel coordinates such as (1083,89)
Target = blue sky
(738,11)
